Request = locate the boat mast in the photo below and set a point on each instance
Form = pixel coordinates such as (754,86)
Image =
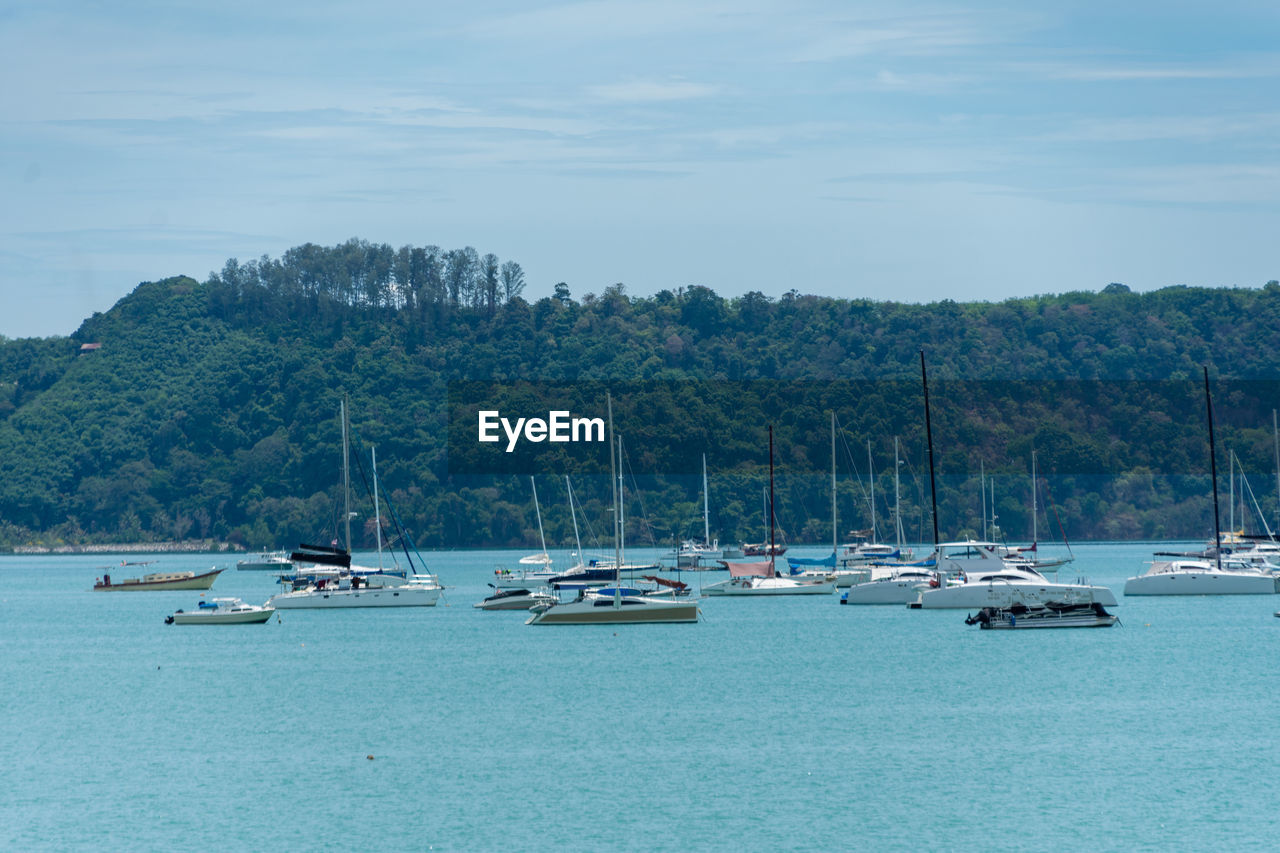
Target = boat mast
(982,491)
(377,511)
(928,431)
(346,472)
(897,495)
(1275,429)
(1213,467)
(622,511)
(871,477)
(546,558)
(706,510)
(617,550)
(834,536)
(773,554)
(576,541)
(1034,535)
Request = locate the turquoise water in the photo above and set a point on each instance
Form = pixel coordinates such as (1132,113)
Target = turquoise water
(789,723)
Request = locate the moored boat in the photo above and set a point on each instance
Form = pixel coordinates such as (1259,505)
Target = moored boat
(222,611)
(1050,615)
(267,561)
(160,580)
(515,599)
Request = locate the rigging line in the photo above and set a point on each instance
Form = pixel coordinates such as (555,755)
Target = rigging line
(1054,506)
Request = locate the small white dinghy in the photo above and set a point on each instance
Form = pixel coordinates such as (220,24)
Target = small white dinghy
(222,611)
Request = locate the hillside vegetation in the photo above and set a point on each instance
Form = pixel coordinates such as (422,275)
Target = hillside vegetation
(210,408)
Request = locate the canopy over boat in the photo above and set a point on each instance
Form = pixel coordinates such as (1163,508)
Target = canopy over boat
(749,570)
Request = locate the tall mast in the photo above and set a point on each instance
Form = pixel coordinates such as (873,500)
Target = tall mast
(982,490)
(576,541)
(346,472)
(871,477)
(377,511)
(1034,535)
(617,548)
(897,495)
(1275,429)
(773,555)
(546,558)
(1213,467)
(928,431)
(706,506)
(622,510)
(834,536)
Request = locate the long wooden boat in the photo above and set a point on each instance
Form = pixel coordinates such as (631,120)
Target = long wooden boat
(161,580)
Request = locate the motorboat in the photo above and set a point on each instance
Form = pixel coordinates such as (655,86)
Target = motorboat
(160,580)
(515,599)
(222,611)
(267,561)
(1050,615)
(1202,577)
(977,576)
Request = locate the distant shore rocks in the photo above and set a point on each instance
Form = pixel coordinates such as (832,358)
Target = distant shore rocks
(187,546)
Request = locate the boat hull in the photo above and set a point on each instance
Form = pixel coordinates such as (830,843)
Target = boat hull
(514,602)
(605,611)
(887,591)
(770,586)
(365,597)
(201,581)
(1201,583)
(250,617)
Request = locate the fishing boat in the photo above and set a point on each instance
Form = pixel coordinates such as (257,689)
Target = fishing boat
(617,605)
(1050,615)
(1214,576)
(762,577)
(160,580)
(222,611)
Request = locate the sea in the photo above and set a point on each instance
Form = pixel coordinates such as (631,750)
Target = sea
(788,723)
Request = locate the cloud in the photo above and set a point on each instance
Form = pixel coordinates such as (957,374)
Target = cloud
(650,91)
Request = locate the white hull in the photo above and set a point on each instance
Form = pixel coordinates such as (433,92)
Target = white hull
(770,586)
(887,591)
(1205,582)
(976,595)
(515,602)
(607,611)
(240,617)
(402,596)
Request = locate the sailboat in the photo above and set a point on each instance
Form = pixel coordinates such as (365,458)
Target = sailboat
(691,553)
(971,575)
(526,577)
(345,585)
(1205,577)
(825,567)
(762,578)
(615,605)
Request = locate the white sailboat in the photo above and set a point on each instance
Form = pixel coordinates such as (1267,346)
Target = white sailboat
(530,576)
(972,575)
(355,586)
(762,578)
(1218,576)
(617,605)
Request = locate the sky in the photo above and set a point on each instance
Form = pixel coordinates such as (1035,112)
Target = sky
(902,150)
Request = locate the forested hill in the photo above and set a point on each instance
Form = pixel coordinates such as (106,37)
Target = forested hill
(209,409)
